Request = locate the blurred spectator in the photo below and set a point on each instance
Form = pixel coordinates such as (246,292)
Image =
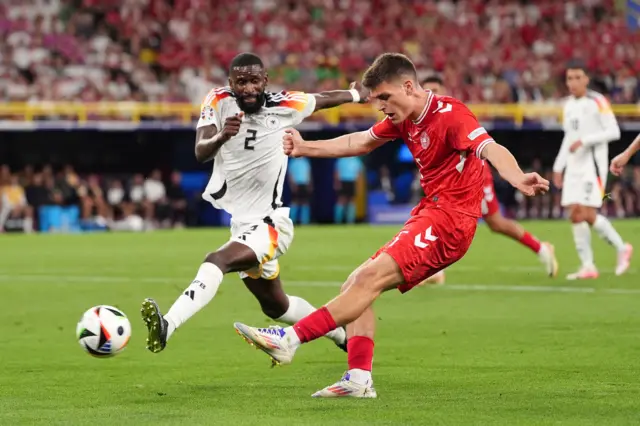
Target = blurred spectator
(347,172)
(301,189)
(156,195)
(177,200)
(92,199)
(14,205)
(116,198)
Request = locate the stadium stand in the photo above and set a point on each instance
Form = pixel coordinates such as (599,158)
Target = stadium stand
(166,51)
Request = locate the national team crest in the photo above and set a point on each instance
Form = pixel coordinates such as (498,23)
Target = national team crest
(272,122)
(424,140)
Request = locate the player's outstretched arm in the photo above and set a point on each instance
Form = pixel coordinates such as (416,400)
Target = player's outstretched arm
(350,145)
(621,160)
(209,140)
(529,184)
(356,93)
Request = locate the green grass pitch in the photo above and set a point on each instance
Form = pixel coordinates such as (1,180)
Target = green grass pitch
(500,343)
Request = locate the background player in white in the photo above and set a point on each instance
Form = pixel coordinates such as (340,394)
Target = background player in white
(621,160)
(589,125)
(241,129)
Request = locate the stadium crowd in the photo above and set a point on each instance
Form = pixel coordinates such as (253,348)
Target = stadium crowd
(131,203)
(167,50)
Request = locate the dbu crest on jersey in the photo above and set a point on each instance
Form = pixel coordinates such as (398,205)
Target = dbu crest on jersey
(424,140)
(272,122)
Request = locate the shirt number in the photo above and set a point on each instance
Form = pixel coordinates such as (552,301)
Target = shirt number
(251,138)
(460,165)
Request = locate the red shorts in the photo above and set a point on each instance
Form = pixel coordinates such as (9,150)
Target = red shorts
(490,204)
(431,240)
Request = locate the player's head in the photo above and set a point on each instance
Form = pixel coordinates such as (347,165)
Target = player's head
(248,81)
(393,84)
(577,78)
(434,83)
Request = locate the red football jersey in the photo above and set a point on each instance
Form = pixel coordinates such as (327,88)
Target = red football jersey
(446,142)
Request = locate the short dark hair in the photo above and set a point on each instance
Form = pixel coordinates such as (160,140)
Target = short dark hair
(577,64)
(433,79)
(388,66)
(245,60)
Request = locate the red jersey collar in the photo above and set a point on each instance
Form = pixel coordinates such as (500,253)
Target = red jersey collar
(423,114)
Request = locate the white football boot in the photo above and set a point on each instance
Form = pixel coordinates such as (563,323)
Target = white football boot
(624,259)
(273,341)
(346,388)
(585,273)
(547,257)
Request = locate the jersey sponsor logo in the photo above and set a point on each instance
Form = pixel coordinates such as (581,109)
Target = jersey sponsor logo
(477,132)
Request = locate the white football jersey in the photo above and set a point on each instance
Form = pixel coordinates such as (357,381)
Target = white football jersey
(249,169)
(588,119)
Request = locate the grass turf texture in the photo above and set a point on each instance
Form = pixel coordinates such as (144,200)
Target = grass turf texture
(475,351)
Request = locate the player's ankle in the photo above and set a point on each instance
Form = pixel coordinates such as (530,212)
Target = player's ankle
(292,334)
(359,376)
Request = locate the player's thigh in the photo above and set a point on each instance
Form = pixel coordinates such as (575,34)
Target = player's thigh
(428,243)
(269,238)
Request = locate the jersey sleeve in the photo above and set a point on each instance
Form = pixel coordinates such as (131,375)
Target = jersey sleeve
(466,134)
(610,131)
(302,104)
(385,130)
(210,109)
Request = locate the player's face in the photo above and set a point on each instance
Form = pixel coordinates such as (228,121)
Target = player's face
(577,82)
(434,87)
(393,99)
(248,85)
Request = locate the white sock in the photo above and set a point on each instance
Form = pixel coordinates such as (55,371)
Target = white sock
(294,340)
(196,296)
(582,238)
(361,377)
(300,308)
(607,232)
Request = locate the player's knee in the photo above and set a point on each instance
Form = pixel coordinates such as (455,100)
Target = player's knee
(220,260)
(365,279)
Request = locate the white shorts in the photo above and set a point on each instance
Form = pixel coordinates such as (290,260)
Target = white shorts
(586,190)
(268,241)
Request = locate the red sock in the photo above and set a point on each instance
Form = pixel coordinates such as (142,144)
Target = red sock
(530,241)
(360,353)
(315,325)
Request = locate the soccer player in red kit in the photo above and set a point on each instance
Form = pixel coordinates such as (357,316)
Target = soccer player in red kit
(492,216)
(449,147)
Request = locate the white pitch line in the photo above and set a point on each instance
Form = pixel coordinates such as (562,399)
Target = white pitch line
(327,284)
(516,269)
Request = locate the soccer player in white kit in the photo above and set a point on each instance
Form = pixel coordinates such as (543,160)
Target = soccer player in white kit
(241,128)
(589,125)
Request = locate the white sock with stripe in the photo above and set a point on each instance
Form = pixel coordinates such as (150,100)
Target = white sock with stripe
(582,239)
(199,293)
(607,232)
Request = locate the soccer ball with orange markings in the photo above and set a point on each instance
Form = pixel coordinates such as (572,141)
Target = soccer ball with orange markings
(103,331)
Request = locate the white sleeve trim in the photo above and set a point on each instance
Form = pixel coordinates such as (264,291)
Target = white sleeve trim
(482,146)
(373,135)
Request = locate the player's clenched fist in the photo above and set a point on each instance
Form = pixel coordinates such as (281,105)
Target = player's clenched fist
(231,126)
(291,143)
(533,184)
(362,91)
(618,163)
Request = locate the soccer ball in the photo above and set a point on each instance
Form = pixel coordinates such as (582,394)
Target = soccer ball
(103,331)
